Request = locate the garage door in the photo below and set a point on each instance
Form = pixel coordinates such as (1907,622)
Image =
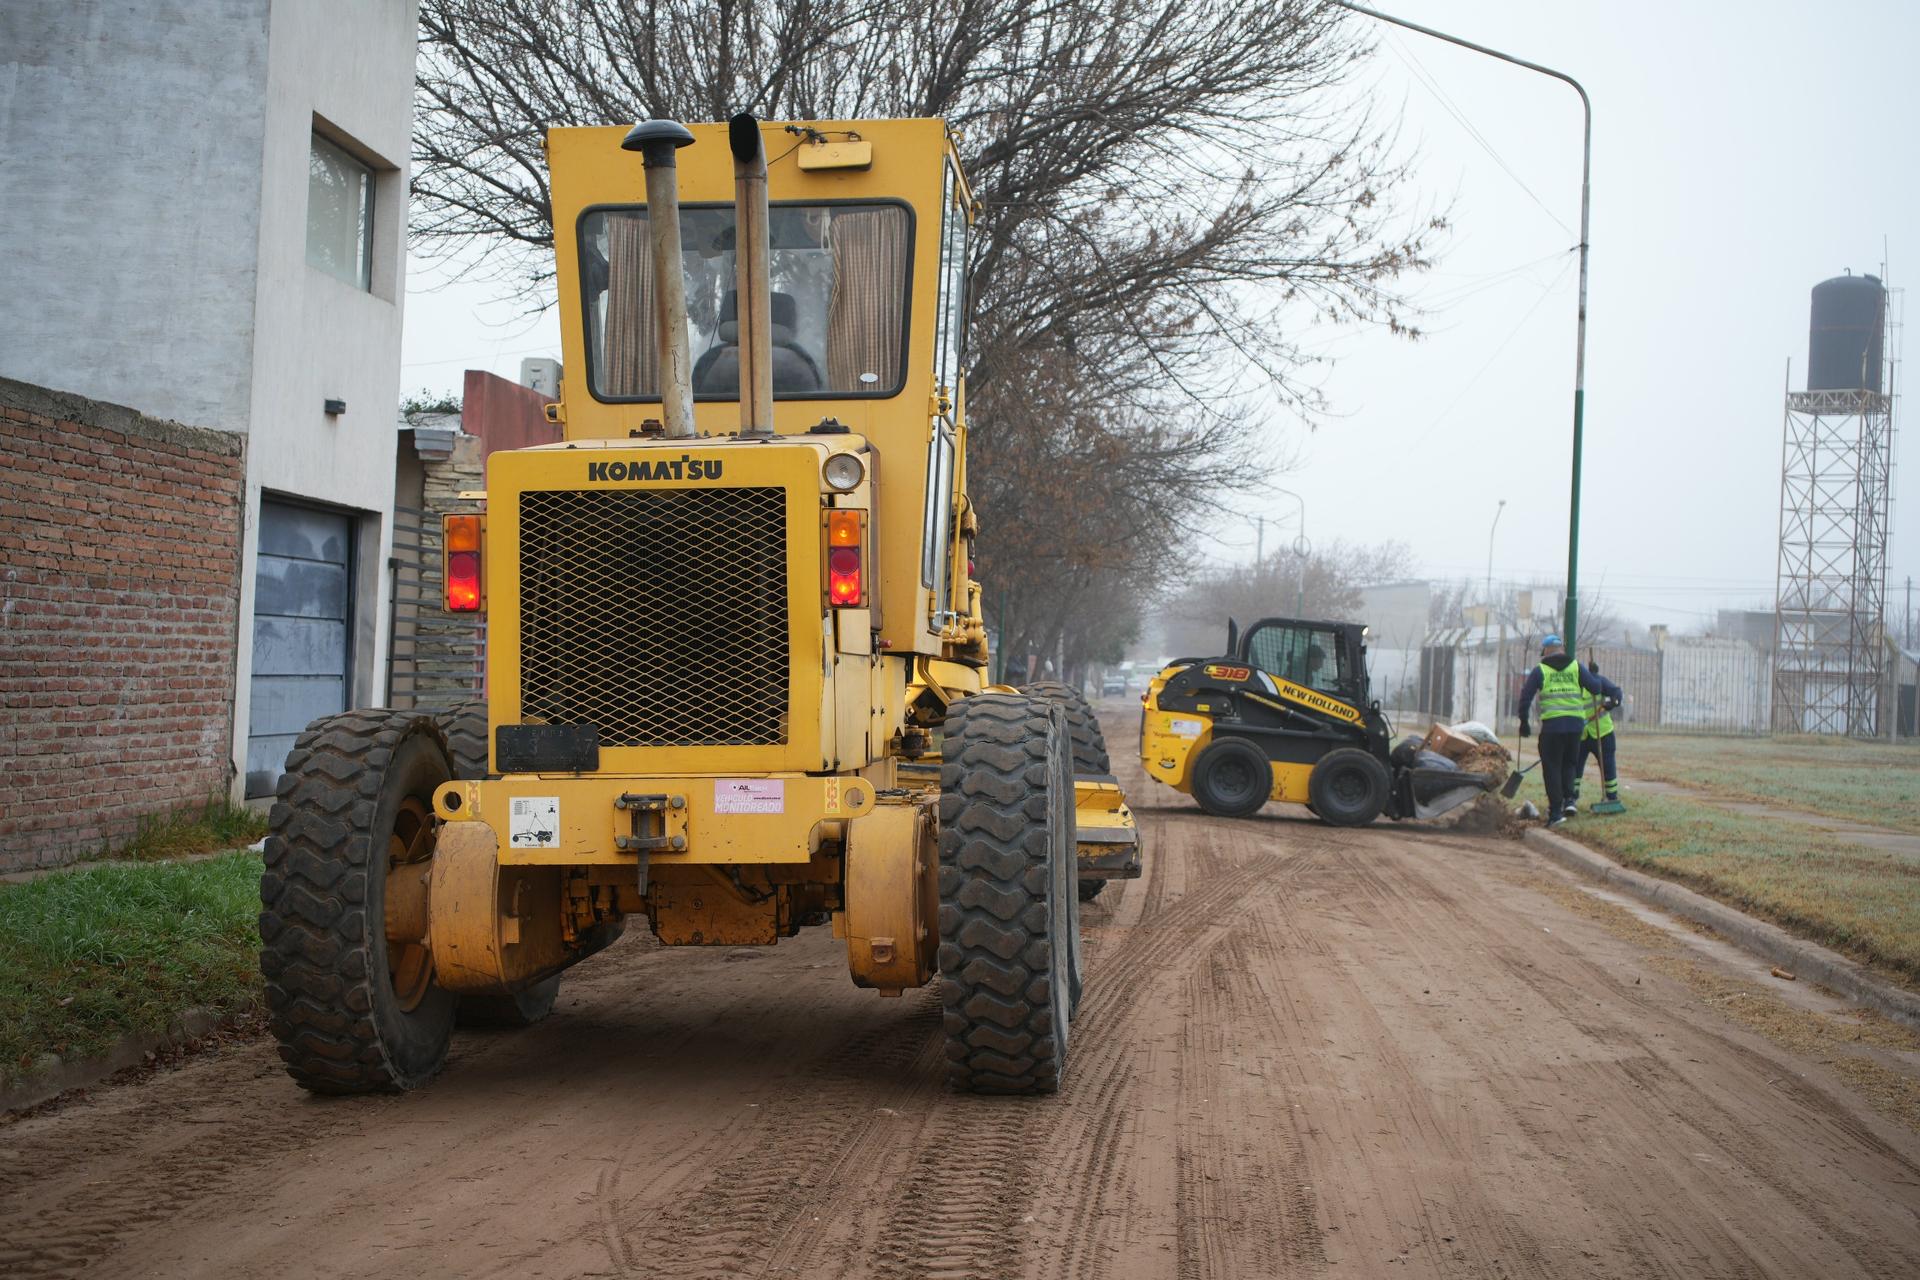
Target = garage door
(301,617)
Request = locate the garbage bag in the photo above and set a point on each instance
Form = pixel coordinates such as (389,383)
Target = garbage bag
(1434,760)
(1474,729)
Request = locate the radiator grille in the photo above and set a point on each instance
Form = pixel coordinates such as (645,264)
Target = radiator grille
(659,616)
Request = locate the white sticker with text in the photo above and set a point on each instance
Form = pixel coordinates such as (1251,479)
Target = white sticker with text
(1185,728)
(749,795)
(534,822)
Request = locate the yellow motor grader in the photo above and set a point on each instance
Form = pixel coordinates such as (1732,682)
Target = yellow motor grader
(735,658)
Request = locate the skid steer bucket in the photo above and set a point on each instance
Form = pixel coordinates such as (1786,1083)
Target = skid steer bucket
(1438,791)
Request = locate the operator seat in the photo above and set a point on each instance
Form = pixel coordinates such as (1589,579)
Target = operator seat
(717,372)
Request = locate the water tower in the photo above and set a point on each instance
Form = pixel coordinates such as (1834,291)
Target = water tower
(1830,654)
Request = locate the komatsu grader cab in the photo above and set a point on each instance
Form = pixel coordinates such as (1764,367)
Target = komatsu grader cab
(735,680)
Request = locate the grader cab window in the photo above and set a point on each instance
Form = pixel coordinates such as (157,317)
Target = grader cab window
(1307,656)
(839,286)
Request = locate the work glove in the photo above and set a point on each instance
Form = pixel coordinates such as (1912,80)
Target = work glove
(1526,730)
(1609,703)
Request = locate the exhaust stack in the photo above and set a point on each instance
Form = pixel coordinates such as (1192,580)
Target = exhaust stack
(754,301)
(656,141)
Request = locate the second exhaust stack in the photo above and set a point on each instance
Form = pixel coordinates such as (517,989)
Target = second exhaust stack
(752,285)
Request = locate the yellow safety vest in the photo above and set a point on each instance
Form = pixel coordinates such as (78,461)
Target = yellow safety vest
(1597,726)
(1560,692)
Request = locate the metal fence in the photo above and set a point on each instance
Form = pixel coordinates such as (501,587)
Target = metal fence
(1688,685)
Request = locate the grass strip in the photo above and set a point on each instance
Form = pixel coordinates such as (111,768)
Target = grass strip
(219,824)
(88,957)
(1859,900)
(1872,782)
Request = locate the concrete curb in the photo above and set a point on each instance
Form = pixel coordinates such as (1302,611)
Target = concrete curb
(1803,959)
(54,1075)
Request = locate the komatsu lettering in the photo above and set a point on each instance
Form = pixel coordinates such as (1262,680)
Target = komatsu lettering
(684,467)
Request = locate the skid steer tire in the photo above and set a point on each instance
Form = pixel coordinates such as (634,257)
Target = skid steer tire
(1009,912)
(465,727)
(1349,787)
(1232,778)
(1089,748)
(355,785)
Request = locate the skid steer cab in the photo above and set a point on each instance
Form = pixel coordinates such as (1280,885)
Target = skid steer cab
(735,660)
(1286,715)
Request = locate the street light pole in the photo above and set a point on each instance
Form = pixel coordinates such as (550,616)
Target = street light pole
(1490,531)
(1580,341)
(1300,549)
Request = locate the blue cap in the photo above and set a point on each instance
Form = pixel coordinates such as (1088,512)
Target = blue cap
(1549,642)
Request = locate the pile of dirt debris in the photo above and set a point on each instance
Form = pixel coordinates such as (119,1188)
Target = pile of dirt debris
(1488,815)
(1471,748)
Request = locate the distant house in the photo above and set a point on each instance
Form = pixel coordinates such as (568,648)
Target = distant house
(203,229)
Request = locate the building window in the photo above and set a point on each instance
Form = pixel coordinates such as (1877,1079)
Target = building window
(340,214)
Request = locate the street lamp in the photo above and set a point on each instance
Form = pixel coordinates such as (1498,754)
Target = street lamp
(1300,549)
(1496,524)
(1580,341)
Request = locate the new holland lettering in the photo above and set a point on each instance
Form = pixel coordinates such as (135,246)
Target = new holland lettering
(684,467)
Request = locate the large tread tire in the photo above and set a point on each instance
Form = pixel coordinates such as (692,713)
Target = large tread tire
(331,1003)
(1349,787)
(465,728)
(1089,744)
(1009,912)
(1232,778)
(1083,727)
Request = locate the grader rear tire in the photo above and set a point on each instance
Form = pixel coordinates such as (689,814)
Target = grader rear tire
(352,1011)
(1009,913)
(1089,746)
(465,727)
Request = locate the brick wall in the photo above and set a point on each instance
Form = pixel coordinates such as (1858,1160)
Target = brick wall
(119,602)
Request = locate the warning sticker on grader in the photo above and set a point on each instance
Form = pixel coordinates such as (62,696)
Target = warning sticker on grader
(534,822)
(749,795)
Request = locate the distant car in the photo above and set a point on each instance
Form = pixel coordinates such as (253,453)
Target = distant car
(1113,682)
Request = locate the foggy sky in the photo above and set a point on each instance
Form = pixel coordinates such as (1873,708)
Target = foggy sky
(1743,152)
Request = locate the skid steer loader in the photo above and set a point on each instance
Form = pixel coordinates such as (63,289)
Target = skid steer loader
(735,660)
(1285,714)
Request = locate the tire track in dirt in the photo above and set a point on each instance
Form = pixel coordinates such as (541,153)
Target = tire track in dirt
(978,1175)
(149,1162)
(1660,1108)
(788,1171)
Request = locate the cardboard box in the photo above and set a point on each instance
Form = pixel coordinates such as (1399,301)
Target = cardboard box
(1454,746)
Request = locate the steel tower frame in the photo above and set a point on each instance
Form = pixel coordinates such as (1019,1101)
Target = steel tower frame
(1836,486)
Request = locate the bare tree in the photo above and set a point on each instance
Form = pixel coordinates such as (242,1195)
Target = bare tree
(1326,584)
(1170,191)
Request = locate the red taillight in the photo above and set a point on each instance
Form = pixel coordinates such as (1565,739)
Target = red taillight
(462,543)
(846,570)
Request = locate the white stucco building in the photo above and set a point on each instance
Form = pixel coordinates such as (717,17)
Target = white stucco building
(202,216)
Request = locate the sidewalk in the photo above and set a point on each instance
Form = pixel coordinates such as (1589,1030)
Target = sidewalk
(1900,843)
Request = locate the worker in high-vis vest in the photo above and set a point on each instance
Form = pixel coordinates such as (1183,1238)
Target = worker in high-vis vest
(1562,685)
(1597,740)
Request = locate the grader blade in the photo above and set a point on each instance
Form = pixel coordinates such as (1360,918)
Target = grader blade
(1104,830)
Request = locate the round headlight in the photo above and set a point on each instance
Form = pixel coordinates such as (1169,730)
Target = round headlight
(844,471)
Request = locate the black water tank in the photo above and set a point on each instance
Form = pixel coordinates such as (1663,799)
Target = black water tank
(1844,349)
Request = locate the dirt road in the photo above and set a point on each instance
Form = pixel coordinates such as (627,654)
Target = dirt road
(1304,1052)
